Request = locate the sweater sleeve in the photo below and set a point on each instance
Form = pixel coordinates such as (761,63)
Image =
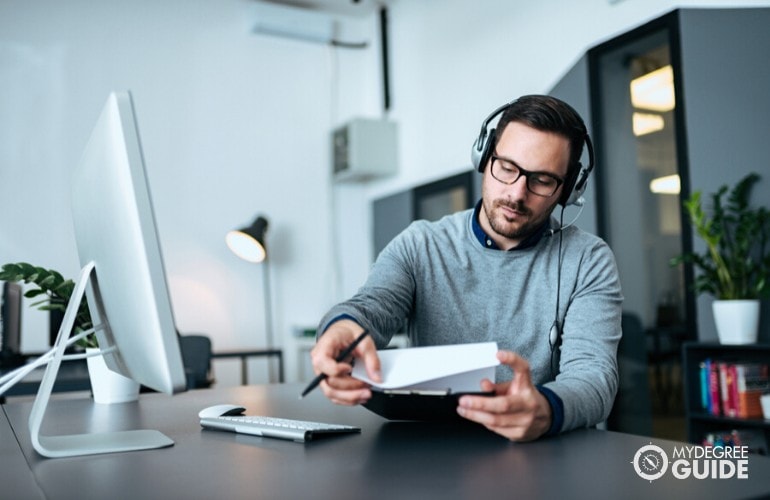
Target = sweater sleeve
(383,304)
(588,374)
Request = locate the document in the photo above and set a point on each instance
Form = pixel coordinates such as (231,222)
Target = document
(450,369)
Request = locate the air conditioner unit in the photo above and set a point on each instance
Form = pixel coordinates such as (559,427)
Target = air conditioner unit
(364,149)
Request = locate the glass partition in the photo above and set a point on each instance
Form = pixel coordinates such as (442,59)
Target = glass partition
(635,105)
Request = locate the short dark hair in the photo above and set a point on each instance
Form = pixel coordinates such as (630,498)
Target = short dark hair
(548,114)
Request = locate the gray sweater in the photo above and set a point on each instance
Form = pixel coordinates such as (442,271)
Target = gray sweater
(439,282)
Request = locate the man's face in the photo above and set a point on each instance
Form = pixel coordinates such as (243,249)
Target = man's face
(510,213)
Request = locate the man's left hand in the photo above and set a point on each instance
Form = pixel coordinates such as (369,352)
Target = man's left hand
(517,411)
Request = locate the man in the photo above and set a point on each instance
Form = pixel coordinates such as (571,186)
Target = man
(548,294)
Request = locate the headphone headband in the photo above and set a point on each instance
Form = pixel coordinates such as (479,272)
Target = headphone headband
(577,179)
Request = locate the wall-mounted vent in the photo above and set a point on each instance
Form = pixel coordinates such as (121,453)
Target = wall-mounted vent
(364,149)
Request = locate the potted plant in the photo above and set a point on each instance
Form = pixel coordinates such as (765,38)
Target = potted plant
(54,293)
(735,267)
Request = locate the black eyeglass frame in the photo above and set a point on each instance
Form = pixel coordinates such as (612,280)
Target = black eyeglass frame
(526,173)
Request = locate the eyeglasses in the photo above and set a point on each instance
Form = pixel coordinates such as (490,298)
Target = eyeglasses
(539,183)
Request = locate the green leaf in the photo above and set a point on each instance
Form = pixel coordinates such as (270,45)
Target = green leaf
(35,292)
(736,263)
(50,287)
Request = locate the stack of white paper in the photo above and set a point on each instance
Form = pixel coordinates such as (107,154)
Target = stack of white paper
(452,368)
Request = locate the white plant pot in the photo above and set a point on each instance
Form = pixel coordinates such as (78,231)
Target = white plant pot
(737,321)
(109,387)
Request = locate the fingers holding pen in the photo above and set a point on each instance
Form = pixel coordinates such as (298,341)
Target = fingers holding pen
(332,358)
(345,389)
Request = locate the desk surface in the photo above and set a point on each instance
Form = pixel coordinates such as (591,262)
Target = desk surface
(393,460)
(16,477)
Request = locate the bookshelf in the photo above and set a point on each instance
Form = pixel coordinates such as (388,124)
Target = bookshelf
(698,419)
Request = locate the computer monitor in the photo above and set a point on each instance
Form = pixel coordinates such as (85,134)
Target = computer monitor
(124,279)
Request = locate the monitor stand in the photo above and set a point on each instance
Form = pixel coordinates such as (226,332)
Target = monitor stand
(81,444)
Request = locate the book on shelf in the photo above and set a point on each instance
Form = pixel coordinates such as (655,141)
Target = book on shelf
(753,439)
(713,396)
(733,389)
(752,380)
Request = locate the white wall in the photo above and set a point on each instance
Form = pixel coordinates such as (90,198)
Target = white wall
(234,124)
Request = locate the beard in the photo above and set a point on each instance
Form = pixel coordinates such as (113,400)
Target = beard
(519,228)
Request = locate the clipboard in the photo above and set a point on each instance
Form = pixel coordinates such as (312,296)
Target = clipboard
(435,406)
(425,383)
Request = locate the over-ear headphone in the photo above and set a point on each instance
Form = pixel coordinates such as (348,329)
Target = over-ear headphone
(576,182)
(484,143)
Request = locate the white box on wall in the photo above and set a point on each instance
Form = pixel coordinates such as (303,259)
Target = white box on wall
(364,149)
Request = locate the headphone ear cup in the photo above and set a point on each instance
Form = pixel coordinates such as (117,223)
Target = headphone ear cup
(574,187)
(482,148)
(477,151)
(573,196)
(483,145)
(577,185)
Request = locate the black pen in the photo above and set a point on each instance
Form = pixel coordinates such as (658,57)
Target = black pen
(341,357)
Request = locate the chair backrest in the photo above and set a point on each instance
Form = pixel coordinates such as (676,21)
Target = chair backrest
(196,357)
(632,411)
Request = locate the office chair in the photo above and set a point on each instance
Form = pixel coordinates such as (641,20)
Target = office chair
(196,357)
(632,411)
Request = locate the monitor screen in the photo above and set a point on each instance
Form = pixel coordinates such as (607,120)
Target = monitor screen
(115,230)
(123,277)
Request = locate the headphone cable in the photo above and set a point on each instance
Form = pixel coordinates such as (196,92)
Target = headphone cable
(554,336)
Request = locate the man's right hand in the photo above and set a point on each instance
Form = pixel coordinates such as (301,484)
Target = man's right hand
(339,386)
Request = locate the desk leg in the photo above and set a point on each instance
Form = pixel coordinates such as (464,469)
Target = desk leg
(279,355)
(244,371)
(245,366)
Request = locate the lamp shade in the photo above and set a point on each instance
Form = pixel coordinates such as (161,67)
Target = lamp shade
(248,243)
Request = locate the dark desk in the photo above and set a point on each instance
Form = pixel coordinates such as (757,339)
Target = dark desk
(385,461)
(16,477)
(72,376)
